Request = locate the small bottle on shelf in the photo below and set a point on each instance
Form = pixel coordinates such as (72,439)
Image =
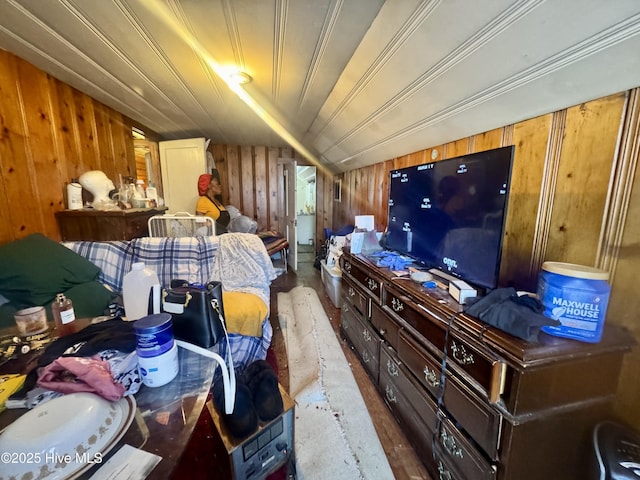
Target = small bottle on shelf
(63,315)
(152,192)
(140,188)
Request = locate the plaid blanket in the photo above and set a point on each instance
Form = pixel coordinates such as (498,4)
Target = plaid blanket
(188,258)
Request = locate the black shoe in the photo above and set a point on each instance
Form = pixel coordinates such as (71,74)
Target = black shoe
(262,382)
(243,421)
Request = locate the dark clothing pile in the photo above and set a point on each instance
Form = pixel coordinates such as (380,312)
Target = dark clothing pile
(519,315)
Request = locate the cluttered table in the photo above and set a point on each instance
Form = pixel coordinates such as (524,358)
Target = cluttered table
(144,435)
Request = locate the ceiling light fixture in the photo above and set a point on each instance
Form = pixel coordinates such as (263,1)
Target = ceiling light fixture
(240,78)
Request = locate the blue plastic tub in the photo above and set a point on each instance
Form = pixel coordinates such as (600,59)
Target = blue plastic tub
(156,349)
(154,335)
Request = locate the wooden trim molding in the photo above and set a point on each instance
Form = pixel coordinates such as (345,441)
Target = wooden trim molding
(547,192)
(621,184)
(507,135)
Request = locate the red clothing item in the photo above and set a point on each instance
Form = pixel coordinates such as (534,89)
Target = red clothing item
(81,374)
(203,183)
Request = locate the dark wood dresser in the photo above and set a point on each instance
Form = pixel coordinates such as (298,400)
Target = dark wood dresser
(497,408)
(102,225)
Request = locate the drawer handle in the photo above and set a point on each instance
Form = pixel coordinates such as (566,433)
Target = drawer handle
(373,285)
(460,354)
(431,377)
(366,335)
(449,444)
(443,472)
(397,305)
(392,368)
(391,396)
(383,332)
(347,266)
(365,356)
(352,292)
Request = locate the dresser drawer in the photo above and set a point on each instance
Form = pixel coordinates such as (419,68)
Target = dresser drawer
(403,393)
(386,327)
(364,339)
(461,454)
(412,410)
(471,412)
(487,371)
(396,380)
(354,295)
(371,284)
(348,320)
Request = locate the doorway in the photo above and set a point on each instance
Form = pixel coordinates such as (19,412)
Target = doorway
(306,210)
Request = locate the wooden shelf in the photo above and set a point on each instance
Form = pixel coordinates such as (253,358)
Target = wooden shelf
(103,225)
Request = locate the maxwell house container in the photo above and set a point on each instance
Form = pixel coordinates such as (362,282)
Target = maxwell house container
(577,296)
(156,349)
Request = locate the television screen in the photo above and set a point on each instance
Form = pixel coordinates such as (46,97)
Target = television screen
(450,214)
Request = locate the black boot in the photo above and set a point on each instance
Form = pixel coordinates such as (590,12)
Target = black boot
(262,382)
(243,421)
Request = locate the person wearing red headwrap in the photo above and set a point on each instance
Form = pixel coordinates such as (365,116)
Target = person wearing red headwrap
(208,188)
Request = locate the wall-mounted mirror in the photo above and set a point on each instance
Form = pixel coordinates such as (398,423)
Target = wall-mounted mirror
(147,160)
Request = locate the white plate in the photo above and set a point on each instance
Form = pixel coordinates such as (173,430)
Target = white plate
(64,437)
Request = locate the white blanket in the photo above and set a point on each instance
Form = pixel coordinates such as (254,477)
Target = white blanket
(242,264)
(334,434)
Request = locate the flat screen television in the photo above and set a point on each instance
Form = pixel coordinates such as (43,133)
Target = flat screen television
(450,215)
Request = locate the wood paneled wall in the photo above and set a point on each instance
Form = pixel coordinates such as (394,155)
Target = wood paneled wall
(575,197)
(51,133)
(253,181)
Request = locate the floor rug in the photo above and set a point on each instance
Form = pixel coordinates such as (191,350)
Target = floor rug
(334,434)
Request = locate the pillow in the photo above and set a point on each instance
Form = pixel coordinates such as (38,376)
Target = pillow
(7,310)
(34,269)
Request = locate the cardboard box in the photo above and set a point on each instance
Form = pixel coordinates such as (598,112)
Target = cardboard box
(332,280)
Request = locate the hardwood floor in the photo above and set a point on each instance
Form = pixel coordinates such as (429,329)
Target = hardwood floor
(403,459)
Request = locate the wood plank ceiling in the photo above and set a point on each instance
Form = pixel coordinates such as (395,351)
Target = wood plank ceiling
(348,83)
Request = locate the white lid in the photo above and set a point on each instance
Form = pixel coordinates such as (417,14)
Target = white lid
(573,270)
(137,266)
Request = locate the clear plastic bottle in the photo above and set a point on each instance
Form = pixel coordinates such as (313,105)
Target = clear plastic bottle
(152,192)
(140,188)
(133,193)
(63,315)
(152,195)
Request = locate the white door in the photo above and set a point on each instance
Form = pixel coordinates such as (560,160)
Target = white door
(290,215)
(182,162)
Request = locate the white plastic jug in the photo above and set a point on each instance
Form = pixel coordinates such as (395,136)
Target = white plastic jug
(74,196)
(137,286)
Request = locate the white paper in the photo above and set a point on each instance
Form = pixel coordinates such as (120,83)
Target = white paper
(128,463)
(365,221)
